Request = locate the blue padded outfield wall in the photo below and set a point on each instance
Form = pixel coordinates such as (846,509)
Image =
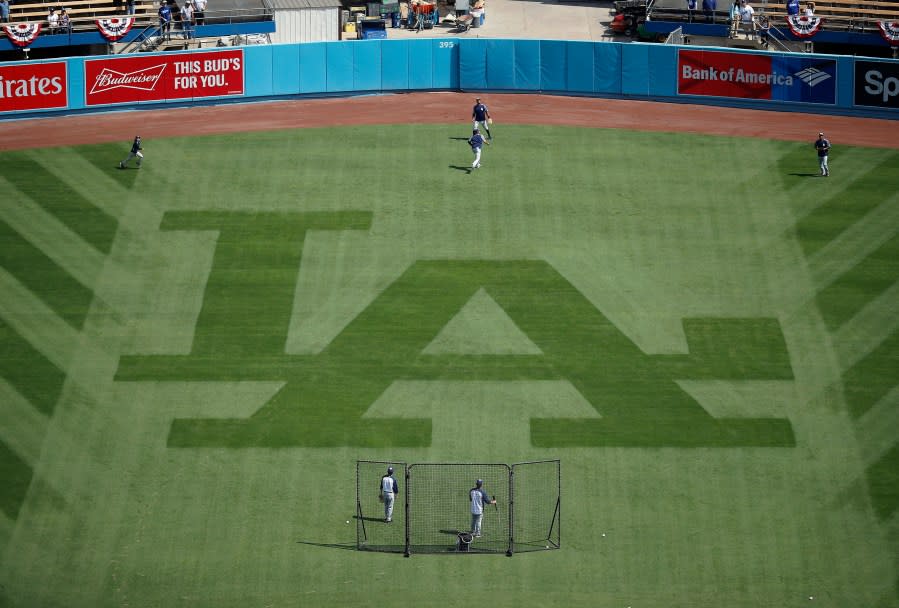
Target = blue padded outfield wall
(816,83)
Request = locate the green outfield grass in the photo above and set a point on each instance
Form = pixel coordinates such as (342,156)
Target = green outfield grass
(193,355)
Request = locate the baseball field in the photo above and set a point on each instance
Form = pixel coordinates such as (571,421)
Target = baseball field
(193,355)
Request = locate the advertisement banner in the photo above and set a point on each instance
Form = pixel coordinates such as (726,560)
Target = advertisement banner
(33,86)
(748,76)
(877,84)
(144,78)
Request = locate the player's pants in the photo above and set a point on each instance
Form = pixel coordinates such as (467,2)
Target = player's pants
(476,523)
(822,161)
(138,154)
(477,157)
(388,505)
(484,126)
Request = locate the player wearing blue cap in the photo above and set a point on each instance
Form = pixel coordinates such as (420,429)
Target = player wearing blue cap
(478,498)
(387,494)
(822,145)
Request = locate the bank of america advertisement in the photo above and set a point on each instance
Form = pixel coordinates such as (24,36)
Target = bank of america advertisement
(747,76)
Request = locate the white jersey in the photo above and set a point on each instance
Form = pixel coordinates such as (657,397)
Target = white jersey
(387,484)
(478,497)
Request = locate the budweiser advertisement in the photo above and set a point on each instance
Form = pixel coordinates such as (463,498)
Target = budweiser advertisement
(162,77)
(747,76)
(33,86)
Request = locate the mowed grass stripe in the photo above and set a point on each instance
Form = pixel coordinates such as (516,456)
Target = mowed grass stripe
(43,277)
(67,249)
(16,476)
(24,428)
(28,371)
(822,225)
(878,429)
(883,481)
(853,290)
(54,195)
(872,377)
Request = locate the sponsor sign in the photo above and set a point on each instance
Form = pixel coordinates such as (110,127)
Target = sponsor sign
(33,86)
(162,77)
(877,84)
(747,76)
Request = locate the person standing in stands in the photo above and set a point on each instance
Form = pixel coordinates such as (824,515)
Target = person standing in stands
(65,23)
(200,12)
(187,18)
(691,8)
(792,8)
(165,20)
(53,21)
(129,7)
(708,8)
(4,11)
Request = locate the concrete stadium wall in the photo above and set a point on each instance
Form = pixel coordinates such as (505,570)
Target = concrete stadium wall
(815,83)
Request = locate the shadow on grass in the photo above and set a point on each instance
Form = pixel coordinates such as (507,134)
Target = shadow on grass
(804,174)
(458,168)
(377,519)
(459,138)
(344,546)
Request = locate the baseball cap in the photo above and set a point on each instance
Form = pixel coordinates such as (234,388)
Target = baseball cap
(390,469)
(479,482)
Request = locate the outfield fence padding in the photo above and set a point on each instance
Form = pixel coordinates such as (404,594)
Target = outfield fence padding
(816,83)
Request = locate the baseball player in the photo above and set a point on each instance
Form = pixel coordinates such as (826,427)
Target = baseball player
(388,491)
(480,116)
(478,498)
(136,151)
(823,147)
(476,141)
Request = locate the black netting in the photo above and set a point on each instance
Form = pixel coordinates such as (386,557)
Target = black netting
(536,487)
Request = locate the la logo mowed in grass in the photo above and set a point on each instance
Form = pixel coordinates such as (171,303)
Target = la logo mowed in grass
(326,395)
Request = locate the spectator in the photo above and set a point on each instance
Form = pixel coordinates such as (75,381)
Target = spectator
(747,17)
(129,7)
(734,17)
(187,19)
(793,8)
(4,11)
(708,8)
(53,21)
(65,24)
(165,20)
(117,6)
(764,30)
(691,8)
(810,9)
(461,7)
(200,12)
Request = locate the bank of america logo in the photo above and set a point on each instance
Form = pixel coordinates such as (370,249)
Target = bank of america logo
(812,76)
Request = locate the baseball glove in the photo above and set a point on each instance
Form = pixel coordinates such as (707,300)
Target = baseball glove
(489,121)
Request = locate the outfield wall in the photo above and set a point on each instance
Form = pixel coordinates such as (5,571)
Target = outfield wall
(816,83)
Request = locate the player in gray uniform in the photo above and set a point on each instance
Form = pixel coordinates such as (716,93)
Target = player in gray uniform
(388,491)
(481,117)
(823,147)
(478,498)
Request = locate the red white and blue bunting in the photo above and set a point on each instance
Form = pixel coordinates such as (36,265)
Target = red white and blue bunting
(890,31)
(804,27)
(113,29)
(22,34)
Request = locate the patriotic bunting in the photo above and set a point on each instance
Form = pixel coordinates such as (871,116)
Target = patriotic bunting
(890,31)
(115,28)
(22,34)
(804,27)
